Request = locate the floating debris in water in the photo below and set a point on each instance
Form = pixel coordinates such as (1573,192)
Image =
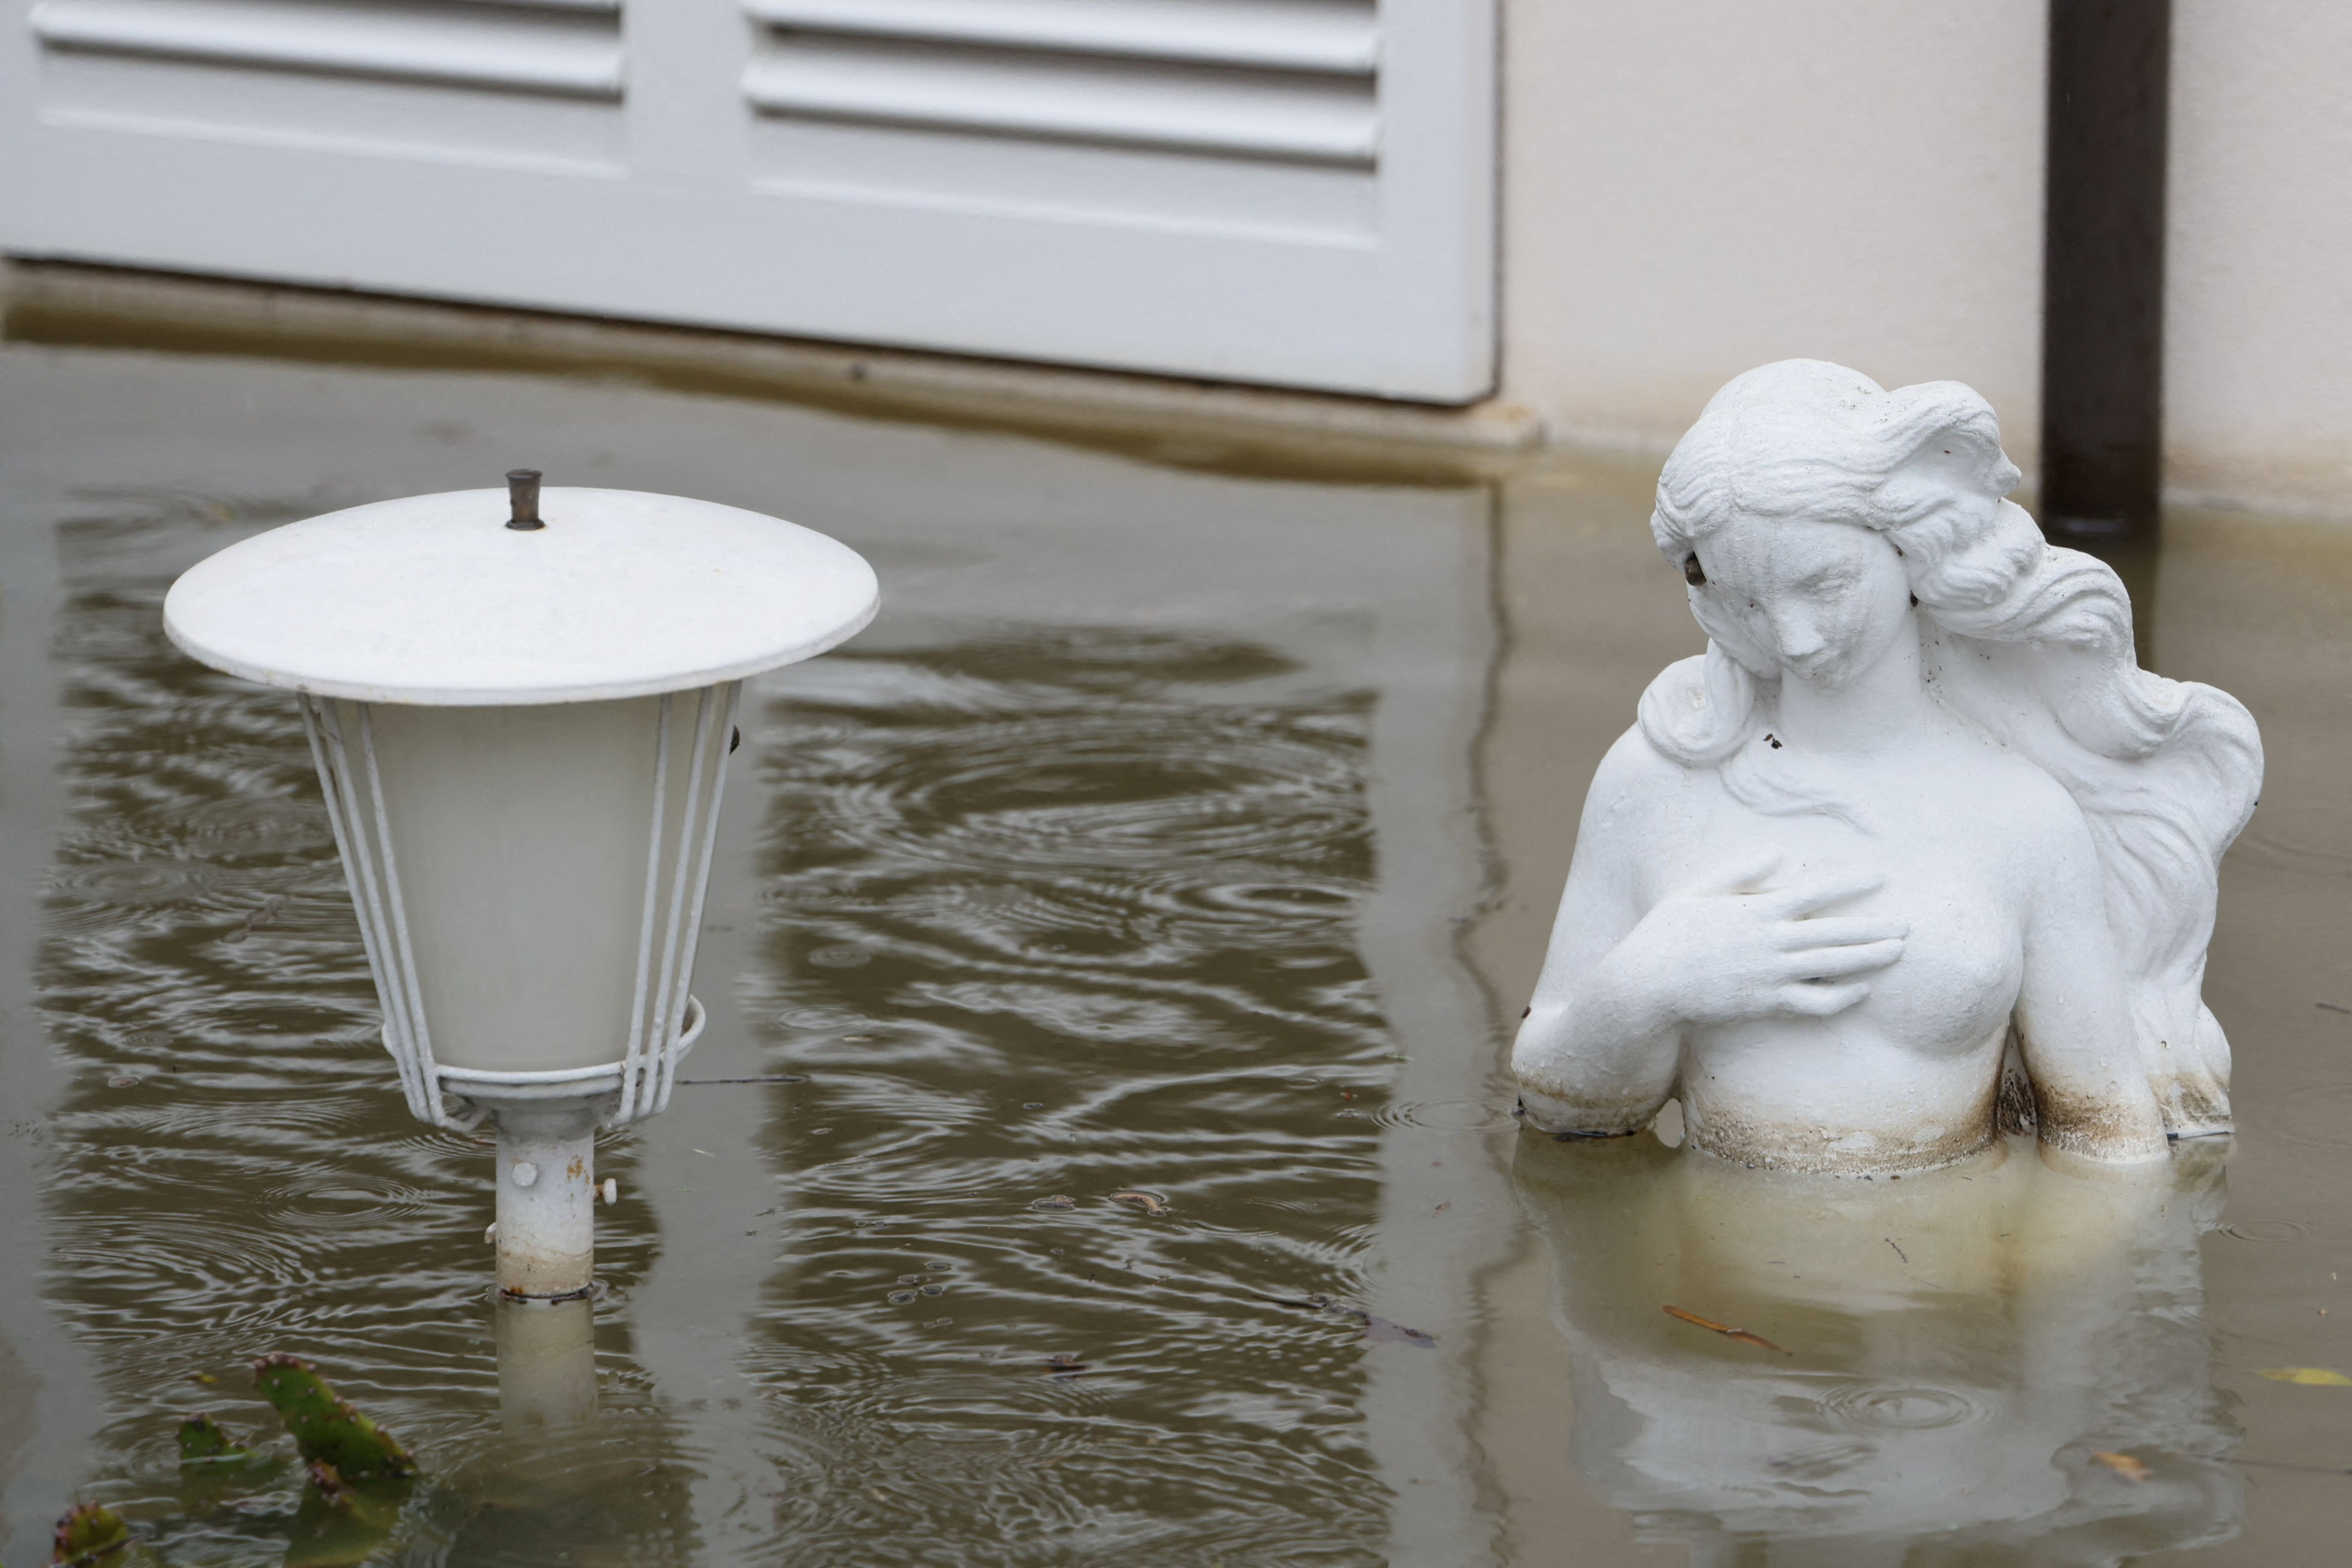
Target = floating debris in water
(900,1298)
(2123,1465)
(1065,1365)
(257,919)
(202,1442)
(87,1533)
(2312,1376)
(1142,1200)
(1058,1201)
(123,1081)
(2291,1465)
(1726,1331)
(935,1290)
(1378,1330)
(327,1430)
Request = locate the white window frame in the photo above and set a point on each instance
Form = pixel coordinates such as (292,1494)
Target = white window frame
(676,229)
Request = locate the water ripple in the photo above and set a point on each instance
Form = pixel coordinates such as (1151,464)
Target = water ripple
(1104,892)
(1055,914)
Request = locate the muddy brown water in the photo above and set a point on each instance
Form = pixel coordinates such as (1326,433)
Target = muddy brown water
(1173,833)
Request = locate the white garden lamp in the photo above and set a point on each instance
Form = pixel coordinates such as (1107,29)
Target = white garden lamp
(521,725)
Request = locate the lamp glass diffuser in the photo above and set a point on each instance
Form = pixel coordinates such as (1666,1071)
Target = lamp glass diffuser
(528,883)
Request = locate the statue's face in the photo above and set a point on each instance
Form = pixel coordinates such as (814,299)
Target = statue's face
(1822,602)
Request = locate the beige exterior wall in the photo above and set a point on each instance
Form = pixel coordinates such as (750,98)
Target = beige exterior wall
(2258,368)
(1696,187)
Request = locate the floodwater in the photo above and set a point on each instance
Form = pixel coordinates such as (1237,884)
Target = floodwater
(1176,833)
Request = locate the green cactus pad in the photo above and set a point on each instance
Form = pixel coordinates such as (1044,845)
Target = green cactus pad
(329,1430)
(89,1534)
(202,1442)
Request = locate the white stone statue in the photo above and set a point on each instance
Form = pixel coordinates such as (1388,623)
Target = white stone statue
(1913,836)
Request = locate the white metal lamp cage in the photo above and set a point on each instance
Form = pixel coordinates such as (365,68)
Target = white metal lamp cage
(664,1019)
(521,725)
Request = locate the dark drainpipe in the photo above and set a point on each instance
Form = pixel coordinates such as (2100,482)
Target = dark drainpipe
(2102,271)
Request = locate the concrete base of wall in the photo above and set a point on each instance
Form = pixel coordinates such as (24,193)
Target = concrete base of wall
(1180,423)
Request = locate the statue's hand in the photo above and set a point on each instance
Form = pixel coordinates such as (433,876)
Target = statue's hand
(1752,946)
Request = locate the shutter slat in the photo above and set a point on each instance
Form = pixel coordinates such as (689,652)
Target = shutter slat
(1016,95)
(1273,35)
(503,46)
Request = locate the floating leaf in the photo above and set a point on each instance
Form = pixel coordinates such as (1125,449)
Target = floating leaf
(88,1534)
(2123,1465)
(202,1442)
(329,1431)
(1728,1331)
(1142,1200)
(2317,1376)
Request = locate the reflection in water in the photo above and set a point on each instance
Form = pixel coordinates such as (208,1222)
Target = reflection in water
(547,1364)
(1960,1347)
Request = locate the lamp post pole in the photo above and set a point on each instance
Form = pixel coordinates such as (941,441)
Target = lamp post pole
(546,1197)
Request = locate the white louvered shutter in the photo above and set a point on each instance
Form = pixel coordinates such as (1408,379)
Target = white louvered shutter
(1296,192)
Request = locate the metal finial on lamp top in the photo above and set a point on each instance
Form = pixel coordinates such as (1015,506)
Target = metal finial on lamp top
(522,745)
(522,500)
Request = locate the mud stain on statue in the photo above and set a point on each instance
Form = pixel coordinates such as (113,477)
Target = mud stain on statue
(1820,1150)
(2088,1126)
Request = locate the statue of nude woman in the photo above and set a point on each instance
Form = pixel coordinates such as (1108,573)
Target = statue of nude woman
(1915,845)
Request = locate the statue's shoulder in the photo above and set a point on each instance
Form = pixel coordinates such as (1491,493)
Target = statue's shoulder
(1697,711)
(1634,759)
(1635,779)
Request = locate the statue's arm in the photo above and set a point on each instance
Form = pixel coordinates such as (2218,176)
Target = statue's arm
(2091,1091)
(1749,936)
(1597,1052)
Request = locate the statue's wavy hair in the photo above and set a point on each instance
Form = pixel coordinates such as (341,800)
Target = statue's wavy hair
(2031,642)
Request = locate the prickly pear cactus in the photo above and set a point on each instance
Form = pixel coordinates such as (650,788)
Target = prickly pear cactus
(341,1524)
(329,1430)
(87,1534)
(202,1442)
